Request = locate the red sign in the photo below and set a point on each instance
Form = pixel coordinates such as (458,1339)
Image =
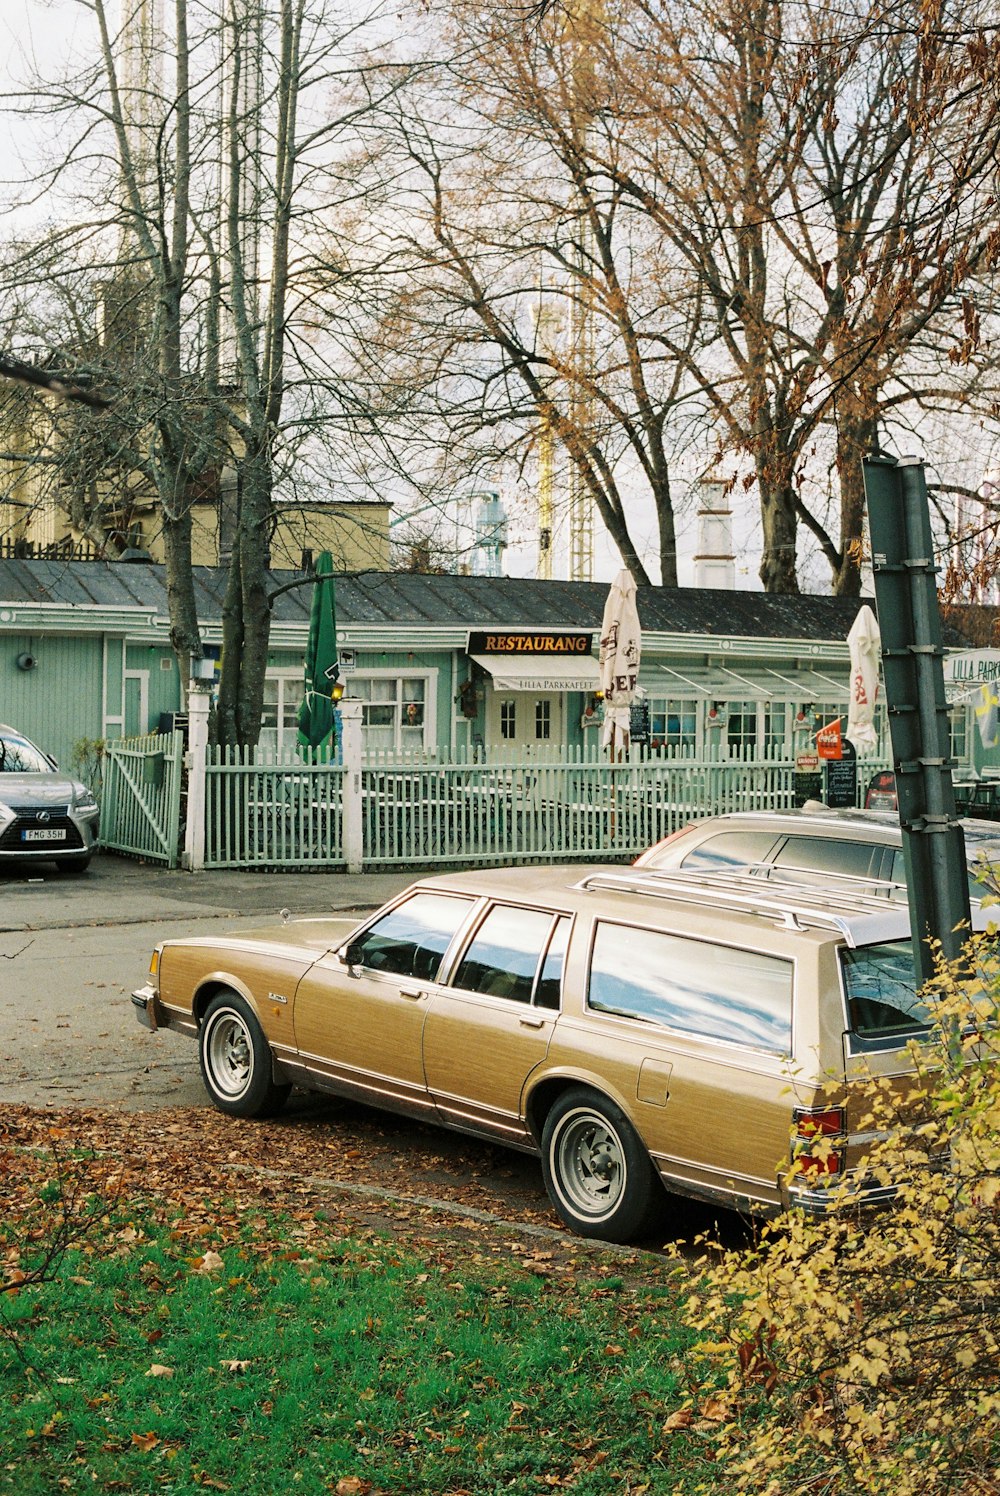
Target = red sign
(828,743)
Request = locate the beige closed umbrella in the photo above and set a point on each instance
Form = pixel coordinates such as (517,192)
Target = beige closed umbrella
(621,647)
(865,644)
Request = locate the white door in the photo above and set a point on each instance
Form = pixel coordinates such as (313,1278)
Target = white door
(521,721)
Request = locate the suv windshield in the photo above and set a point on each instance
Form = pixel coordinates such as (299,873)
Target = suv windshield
(883,1004)
(18,756)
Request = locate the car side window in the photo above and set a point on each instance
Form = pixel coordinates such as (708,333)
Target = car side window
(731,849)
(411,939)
(503,957)
(548,993)
(822,855)
(714,991)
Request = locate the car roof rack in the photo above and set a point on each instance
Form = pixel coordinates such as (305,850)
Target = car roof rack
(860,915)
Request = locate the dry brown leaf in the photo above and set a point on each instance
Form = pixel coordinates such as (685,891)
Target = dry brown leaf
(236,1367)
(156,1370)
(145,1442)
(211,1262)
(683,1418)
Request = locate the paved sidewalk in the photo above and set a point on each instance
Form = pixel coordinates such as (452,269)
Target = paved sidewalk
(117,891)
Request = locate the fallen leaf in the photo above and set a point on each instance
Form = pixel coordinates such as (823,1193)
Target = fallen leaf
(156,1370)
(236,1367)
(145,1442)
(210,1263)
(683,1418)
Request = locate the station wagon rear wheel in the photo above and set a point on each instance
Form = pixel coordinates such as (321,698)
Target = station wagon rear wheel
(599,1176)
(236,1060)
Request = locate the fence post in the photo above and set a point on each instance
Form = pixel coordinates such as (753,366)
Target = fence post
(350,746)
(195,758)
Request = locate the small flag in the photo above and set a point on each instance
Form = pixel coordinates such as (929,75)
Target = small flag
(987,714)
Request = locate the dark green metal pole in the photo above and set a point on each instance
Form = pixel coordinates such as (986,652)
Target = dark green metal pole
(912,651)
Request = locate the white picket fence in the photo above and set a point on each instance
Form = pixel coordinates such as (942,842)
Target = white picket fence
(248,809)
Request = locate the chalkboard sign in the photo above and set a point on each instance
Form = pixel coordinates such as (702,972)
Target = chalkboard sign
(639,722)
(842,778)
(807,787)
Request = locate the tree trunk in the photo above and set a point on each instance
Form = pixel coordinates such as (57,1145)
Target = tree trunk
(855,434)
(185,634)
(254,552)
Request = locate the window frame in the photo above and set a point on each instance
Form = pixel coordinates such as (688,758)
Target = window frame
(469,901)
(285,732)
(695,1036)
(449,979)
(428,724)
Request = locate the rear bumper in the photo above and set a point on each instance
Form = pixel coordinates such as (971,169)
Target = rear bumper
(147,1009)
(851,1193)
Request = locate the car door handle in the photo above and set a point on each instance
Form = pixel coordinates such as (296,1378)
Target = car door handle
(535,1023)
(414,994)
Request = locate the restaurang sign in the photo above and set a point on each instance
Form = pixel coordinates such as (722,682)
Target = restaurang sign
(530,641)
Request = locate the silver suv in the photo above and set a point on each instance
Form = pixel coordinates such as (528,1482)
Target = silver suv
(44,815)
(821,847)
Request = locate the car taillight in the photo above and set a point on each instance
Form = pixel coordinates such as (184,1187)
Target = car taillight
(812,1126)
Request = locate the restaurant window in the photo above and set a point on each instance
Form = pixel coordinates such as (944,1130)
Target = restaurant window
(673,724)
(776,728)
(543,720)
(508,719)
(741,728)
(394,712)
(279,722)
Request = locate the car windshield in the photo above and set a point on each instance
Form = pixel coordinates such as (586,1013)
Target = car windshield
(18,756)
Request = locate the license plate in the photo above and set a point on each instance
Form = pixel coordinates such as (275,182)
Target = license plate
(44,836)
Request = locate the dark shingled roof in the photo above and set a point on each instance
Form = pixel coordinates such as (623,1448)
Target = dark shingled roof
(401,598)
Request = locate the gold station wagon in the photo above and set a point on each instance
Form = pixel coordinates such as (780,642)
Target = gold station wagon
(637,1030)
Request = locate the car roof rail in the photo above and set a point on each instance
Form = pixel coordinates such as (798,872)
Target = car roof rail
(861,916)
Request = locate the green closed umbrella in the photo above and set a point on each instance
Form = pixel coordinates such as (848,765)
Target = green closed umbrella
(317,719)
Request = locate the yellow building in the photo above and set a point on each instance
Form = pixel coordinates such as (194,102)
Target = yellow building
(37,518)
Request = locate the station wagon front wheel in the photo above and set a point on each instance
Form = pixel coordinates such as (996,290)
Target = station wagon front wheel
(599,1176)
(236,1060)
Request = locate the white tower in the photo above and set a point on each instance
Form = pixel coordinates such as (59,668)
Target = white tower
(714,563)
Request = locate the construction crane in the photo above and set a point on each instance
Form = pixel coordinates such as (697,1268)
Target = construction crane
(576,334)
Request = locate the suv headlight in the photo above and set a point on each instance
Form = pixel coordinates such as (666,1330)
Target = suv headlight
(83,801)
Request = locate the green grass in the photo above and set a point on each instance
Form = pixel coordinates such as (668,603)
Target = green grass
(445,1371)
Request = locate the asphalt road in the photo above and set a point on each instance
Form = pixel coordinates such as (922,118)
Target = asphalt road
(72,950)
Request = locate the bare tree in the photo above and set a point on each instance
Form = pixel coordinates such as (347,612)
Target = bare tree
(206,155)
(761,211)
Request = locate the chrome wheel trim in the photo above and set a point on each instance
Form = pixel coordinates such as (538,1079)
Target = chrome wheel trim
(589,1164)
(229,1054)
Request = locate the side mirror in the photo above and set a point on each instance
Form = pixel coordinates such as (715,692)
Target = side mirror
(352,952)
